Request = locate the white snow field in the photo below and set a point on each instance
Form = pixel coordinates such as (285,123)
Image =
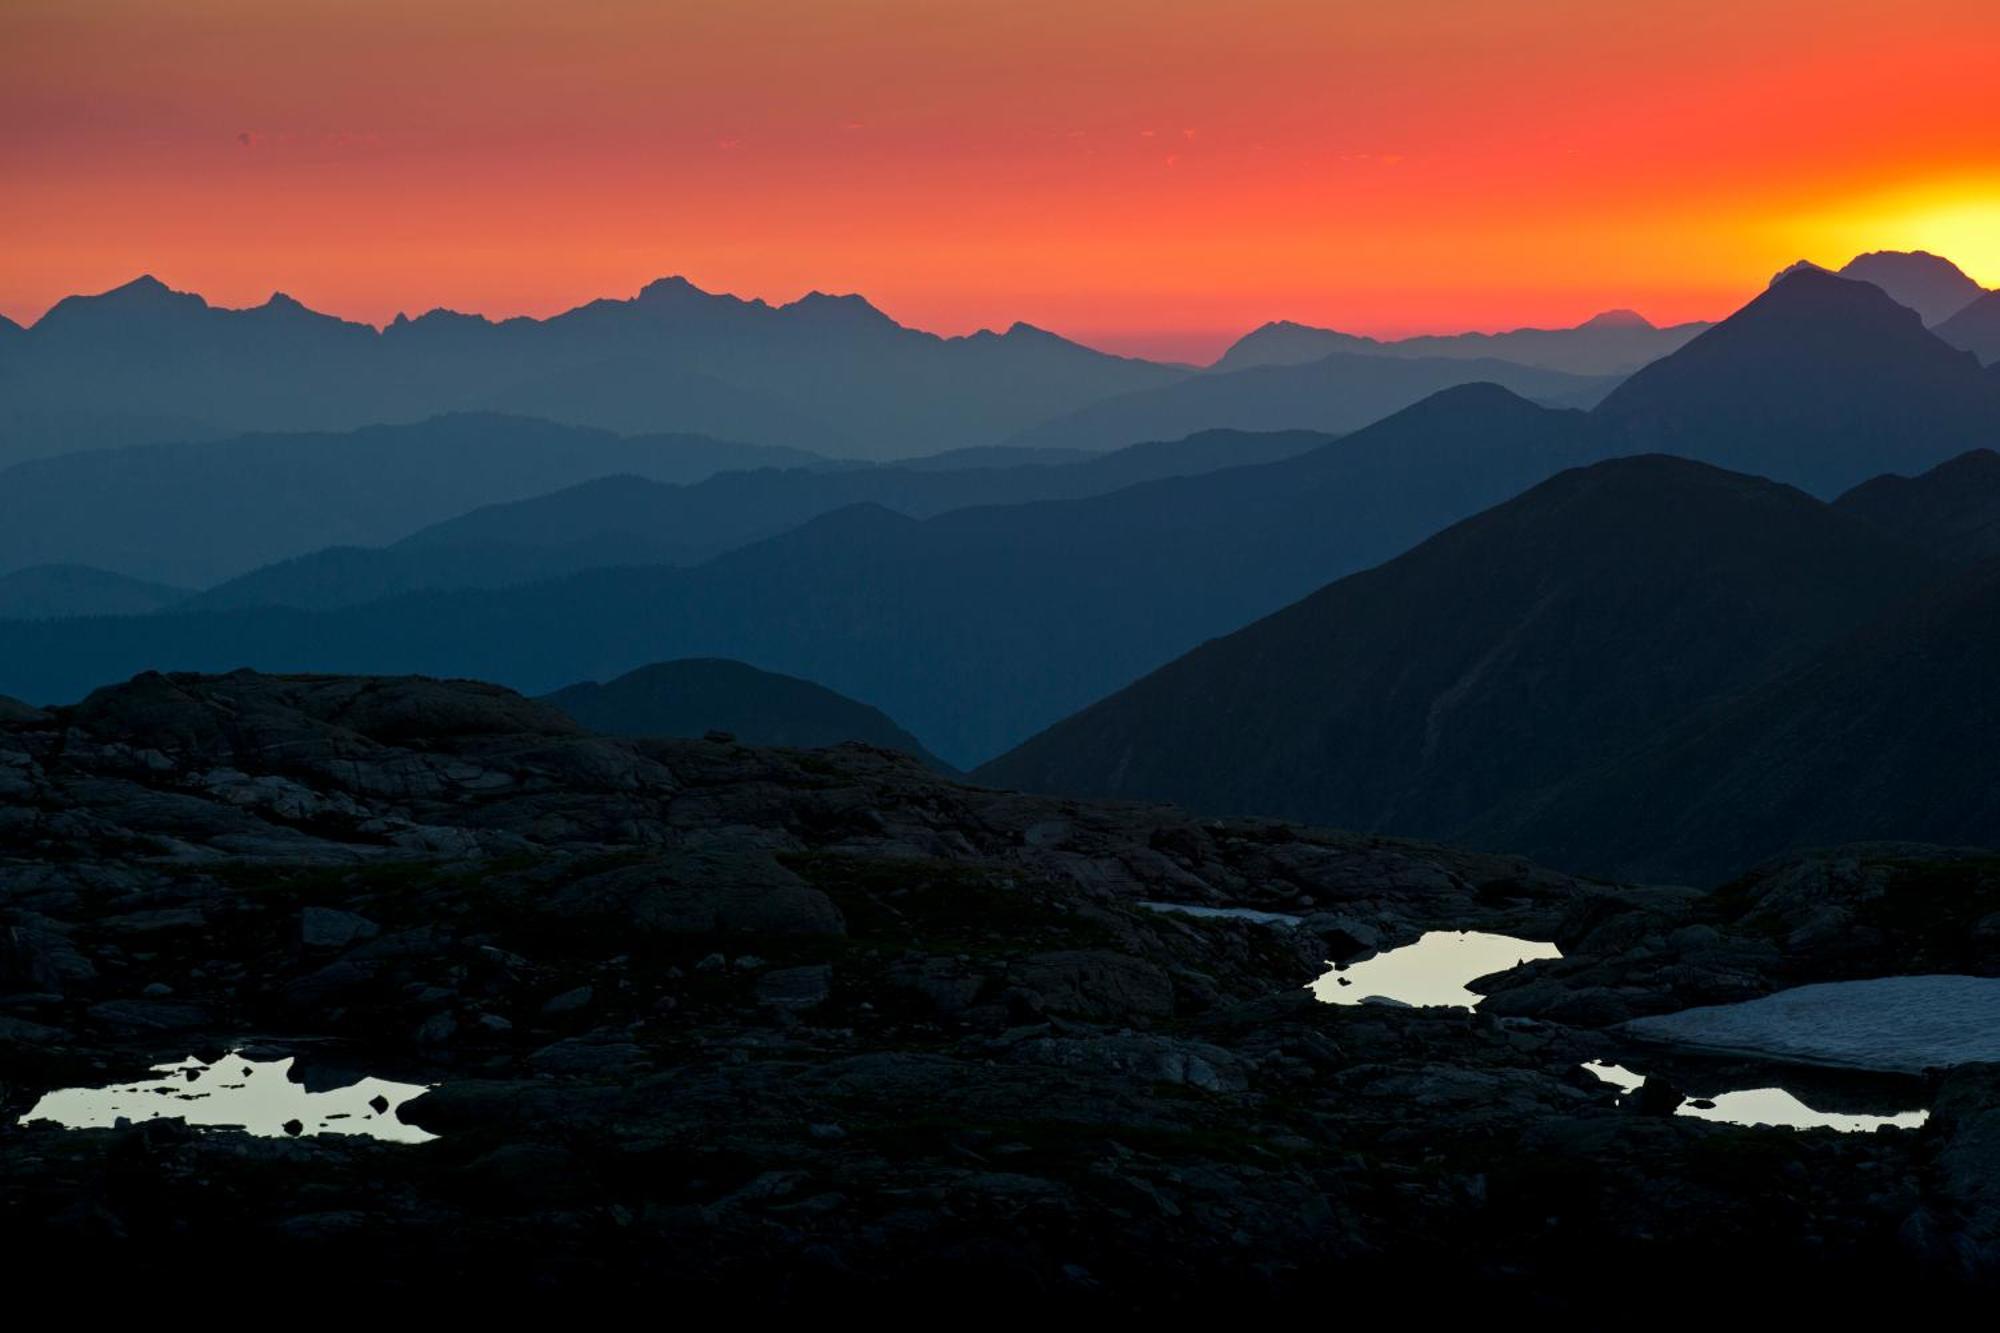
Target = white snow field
(1896,1024)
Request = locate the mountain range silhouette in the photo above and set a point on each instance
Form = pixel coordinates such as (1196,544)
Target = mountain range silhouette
(143,363)
(1669,552)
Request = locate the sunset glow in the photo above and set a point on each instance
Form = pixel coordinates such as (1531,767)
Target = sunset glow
(1152,175)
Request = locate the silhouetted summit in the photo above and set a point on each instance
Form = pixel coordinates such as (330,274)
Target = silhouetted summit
(630,520)
(975,627)
(1285,342)
(144,296)
(1508,652)
(144,364)
(697,696)
(1952,511)
(847,312)
(736,507)
(1932,286)
(195,513)
(1337,393)
(1617,319)
(1615,342)
(1820,381)
(1796,266)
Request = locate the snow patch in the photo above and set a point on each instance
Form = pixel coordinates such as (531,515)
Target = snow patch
(1901,1025)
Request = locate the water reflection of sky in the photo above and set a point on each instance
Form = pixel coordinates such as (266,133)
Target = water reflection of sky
(1432,972)
(1763,1106)
(254,1096)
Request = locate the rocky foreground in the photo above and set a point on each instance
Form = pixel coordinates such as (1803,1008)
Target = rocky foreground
(806,1028)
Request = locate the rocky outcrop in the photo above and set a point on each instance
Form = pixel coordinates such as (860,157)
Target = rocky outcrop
(1848,913)
(826,1028)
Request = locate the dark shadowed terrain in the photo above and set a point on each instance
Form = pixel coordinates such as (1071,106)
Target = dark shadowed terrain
(632,520)
(194,513)
(1543,637)
(820,1026)
(705,696)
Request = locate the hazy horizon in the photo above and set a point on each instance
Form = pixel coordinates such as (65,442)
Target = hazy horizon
(1180,173)
(1188,345)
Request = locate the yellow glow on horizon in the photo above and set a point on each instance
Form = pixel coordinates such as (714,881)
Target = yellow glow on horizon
(1967,233)
(1959,220)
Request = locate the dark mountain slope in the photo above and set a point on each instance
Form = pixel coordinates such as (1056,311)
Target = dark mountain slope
(1501,655)
(980,626)
(1952,511)
(975,628)
(696,696)
(51,591)
(352,575)
(1336,394)
(1889,735)
(194,513)
(1976,329)
(994,455)
(1932,286)
(1820,382)
(631,521)
(733,508)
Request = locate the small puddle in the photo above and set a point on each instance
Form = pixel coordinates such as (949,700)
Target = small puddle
(1230,913)
(254,1096)
(1431,973)
(1762,1107)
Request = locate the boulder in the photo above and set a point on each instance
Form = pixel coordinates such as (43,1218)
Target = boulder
(699,894)
(331,928)
(1967,1119)
(1096,984)
(589,1056)
(796,987)
(1169,1060)
(569,1002)
(136,1016)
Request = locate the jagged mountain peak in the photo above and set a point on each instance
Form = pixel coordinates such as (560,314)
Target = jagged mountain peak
(143,299)
(1929,284)
(832,306)
(1796,266)
(143,285)
(1810,306)
(670,288)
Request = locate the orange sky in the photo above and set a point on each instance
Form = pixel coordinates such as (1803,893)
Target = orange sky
(1154,175)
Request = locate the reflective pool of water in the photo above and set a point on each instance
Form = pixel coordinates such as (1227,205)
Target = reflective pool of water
(1229,913)
(254,1096)
(1762,1106)
(1432,972)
